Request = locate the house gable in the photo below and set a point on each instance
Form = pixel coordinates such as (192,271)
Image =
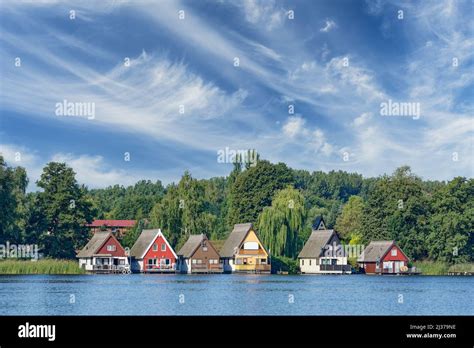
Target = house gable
(201,253)
(111,246)
(159,240)
(250,241)
(319,224)
(399,254)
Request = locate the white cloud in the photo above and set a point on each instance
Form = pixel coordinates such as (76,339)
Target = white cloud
(362,119)
(352,76)
(145,97)
(263,12)
(92,170)
(319,144)
(294,126)
(295,131)
(328,26)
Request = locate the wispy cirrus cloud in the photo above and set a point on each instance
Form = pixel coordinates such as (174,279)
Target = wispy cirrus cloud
(336,82)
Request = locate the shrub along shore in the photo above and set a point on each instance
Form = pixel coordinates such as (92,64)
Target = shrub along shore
(46,266)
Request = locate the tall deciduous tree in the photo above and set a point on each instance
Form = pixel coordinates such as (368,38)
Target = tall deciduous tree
(397,208)
(349,223)
(279,225)
(63,211)
(182,211)
(13,182)
(451,236)
(254,189)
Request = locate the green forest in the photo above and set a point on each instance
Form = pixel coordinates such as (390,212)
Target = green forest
(430,220)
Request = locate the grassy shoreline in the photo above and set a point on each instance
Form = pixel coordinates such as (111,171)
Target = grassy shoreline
(46,266)
(442,268)
(70,267)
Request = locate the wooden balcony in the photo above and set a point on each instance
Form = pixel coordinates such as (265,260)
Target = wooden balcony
(111,269)
(410,271)
(160,268)
(207,268)
(258,252)
(253,268)
(335,268)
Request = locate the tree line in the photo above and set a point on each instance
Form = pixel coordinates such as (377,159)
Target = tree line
(429,219)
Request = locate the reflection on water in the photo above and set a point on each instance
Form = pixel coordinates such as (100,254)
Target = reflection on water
(169,294)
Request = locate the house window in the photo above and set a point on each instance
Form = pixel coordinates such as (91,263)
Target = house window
(111,248)
(194,261)
(167,261)
(245,261)
(263,261)
(302,262)
(163,247)
(310,262)
(394,252)
(204,248)
(122,262)
(199,261)
(151,262)
(155,247)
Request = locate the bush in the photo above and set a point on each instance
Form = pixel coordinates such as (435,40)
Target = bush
(284,264)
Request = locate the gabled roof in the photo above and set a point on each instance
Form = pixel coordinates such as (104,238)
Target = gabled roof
(317,223)
(112,223)
(193,242)
(94,244)
(375,250)
(235,239)
(145,241)
(315,244)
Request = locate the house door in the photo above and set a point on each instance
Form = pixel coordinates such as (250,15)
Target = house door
(397,267)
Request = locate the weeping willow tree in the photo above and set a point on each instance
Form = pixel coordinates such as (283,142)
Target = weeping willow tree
(279,225)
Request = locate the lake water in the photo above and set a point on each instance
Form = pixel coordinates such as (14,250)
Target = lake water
(235,295)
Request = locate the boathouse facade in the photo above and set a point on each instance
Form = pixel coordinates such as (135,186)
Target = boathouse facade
(383,257)
(152,253)
(103,254)
(322,252)
(198,255)
(244,252)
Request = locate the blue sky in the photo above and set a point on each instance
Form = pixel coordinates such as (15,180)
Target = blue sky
(335,62)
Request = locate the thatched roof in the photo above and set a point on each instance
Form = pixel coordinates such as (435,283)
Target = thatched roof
(315,244)
(94,244)
(235,239)
(375,250)
(193,242)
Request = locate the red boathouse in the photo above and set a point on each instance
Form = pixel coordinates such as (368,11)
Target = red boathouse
(152,253)
(383,257)
(103,254)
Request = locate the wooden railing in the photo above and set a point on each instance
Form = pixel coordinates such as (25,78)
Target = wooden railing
(253,267)
(392,271)
(160,267)
(207,267)
(251,252)
(340,268)
(110,268)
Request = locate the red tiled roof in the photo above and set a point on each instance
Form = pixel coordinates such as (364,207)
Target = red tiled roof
(112,223)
